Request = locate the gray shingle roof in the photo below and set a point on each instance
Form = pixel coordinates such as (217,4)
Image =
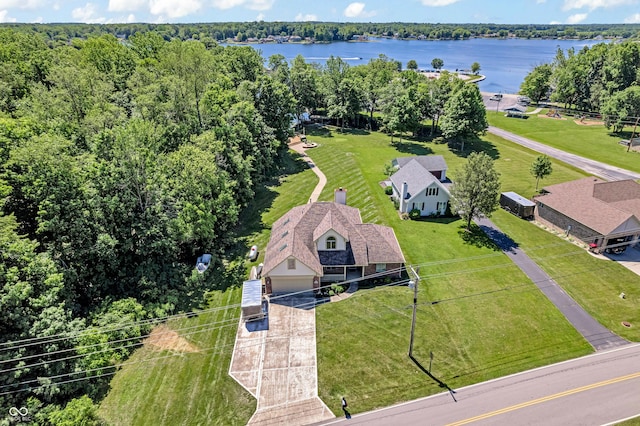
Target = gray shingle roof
(294,234)
(432,163)
(416,176)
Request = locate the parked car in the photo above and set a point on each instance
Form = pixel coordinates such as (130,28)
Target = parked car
(524,100)
(496,97)
(253,253)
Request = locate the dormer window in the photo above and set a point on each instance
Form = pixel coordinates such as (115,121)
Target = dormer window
(331,243)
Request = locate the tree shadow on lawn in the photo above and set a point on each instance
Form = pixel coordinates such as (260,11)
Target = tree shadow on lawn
(411,147)
(318,130)
(478,236)
(473,145)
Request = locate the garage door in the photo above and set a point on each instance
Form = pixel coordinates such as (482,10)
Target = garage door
(291,284)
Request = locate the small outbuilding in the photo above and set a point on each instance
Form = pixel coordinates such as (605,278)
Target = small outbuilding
(252,300)
(517,204)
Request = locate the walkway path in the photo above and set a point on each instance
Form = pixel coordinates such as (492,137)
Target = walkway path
(596,334)
(297,147)
(602,170)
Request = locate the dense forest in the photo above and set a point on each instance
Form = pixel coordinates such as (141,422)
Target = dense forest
(122,161)
(602,79)
(326,31)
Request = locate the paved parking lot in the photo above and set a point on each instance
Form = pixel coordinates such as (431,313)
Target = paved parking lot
(275,359)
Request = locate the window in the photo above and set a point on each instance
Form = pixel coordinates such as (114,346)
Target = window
(331,243)
(291,264)
(422,206)
(432,191)
(381,267)
(413,206)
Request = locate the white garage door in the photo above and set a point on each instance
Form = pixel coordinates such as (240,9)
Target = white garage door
(290,284)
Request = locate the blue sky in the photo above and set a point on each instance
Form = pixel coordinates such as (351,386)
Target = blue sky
(444,11)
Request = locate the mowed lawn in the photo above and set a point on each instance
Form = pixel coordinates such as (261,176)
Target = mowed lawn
(478,314)
(176,387)
(595,141)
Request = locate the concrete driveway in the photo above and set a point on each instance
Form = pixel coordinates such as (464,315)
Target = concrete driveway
(275,360)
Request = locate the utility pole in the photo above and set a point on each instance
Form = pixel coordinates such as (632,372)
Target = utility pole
(415,306)
(633,134)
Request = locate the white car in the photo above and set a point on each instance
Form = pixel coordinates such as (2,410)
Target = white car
(253,253)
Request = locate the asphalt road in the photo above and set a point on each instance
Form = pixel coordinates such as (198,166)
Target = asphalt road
(596,168)
(592,390)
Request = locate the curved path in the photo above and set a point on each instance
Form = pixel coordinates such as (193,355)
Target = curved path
(297,147)
(602,170)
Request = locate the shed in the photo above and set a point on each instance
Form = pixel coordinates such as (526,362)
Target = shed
(517,204)
(252,300)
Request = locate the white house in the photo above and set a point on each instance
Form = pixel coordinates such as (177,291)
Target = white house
(325,242)
(421,183)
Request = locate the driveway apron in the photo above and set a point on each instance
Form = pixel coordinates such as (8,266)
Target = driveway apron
(595,333)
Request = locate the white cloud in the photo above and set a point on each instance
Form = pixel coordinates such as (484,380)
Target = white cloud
(577,18)
(555,23)
(38,20)
(84,14)
(260,17)
(249,4)
(306,17)
(227,4)
(20,4)
(633,19)
(126,5)
(595,4)
(174,8)
(5,18)
(357,10)
(437,3)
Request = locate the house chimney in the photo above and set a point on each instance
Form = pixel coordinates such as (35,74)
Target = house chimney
(403,197)
(340,196)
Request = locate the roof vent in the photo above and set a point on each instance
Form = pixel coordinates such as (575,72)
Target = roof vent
(284,246)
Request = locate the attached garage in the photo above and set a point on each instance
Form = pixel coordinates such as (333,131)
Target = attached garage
(284,284)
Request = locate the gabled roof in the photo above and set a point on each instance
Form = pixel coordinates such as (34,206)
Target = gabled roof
(597,204)
(295,235)
(432,163)
(416,176)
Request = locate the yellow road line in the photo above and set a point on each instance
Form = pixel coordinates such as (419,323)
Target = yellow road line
(544,399)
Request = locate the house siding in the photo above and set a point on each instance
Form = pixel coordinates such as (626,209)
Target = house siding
(371,269)
(559,220)
(430,202)
(341,244)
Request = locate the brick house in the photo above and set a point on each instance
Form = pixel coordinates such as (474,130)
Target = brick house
(327,242)
(603,214)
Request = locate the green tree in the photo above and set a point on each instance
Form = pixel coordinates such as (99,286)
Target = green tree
(437,63)
(475,189)
(78,412)
(304,85)
(541,168)
(622,108)
(465,114)
(475,68)
(375,77)
(400,108)
(537,83)
(412,64)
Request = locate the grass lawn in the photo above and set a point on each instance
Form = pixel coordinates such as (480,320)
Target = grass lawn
(475,311)
(595,142)
(173,387)
(478,314)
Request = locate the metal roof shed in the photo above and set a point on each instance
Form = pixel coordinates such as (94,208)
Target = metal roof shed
(252,300)
(517,204)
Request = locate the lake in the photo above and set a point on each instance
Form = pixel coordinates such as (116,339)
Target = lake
(505,62)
